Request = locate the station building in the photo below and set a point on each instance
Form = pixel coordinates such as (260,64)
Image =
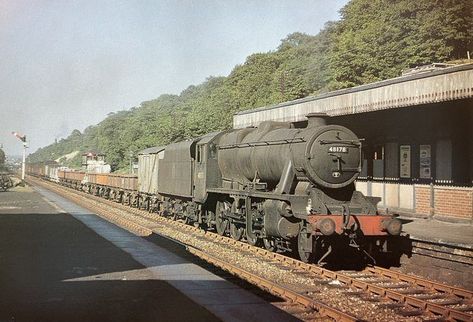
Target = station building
(418,137)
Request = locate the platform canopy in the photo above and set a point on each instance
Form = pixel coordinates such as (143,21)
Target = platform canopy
(424,87)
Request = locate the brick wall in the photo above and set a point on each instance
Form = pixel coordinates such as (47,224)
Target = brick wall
(456,202)
(422,201)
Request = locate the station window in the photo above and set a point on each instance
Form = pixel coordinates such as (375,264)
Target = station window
(405,161)
(365,163)
(378,152)
(378,162)
(443,166)
(425,161)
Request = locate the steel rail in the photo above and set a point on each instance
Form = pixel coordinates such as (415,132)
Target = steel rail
(276,289)
(459,292)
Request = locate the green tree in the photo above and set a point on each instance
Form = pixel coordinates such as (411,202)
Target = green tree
(2,159)
(377,39)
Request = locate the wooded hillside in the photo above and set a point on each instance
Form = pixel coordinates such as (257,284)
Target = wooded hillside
(373,40)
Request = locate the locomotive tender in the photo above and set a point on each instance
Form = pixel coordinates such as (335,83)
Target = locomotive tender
(283,185)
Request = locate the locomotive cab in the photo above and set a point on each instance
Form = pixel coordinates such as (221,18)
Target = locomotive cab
(207,174)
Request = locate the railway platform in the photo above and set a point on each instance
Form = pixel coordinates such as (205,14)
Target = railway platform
(439,232)
(59,262)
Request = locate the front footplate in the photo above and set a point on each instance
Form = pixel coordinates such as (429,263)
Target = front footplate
(369,225)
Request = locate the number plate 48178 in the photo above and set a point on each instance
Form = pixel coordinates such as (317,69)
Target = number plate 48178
(338,149)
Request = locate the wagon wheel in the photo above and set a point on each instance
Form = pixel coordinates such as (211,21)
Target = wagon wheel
(269,244)
(236,231)
(162,211)
(221,223)
(207,216)
(302,240)
(143,203)
(139,202)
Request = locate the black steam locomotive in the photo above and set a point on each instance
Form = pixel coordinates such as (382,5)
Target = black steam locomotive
(288,187)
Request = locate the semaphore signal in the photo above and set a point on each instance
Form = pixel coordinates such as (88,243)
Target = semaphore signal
(19,136)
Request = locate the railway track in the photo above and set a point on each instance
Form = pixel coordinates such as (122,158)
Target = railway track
(453,253)
(440,261)
(311,292)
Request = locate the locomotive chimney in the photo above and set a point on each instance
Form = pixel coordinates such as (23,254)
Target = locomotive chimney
(317,119)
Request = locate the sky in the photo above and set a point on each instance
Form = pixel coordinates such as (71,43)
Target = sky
(66,64)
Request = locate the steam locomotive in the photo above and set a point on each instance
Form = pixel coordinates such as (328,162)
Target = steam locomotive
(284,186)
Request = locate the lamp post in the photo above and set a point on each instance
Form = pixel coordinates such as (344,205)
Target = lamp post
(22,138)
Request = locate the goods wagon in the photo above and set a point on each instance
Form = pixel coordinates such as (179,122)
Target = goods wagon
(51,171)
(71,176)
(41,169)
(148,165)
(37,169)
(113,180)
(122,181)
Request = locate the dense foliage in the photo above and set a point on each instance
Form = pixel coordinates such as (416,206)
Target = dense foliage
(2,159)
(374,40)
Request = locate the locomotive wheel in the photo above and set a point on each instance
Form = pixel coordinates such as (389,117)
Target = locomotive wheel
(302,240)
(269,244)
(253,241)
(236,231)
(221,222)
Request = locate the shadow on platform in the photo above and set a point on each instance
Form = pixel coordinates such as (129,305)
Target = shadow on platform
(46,261)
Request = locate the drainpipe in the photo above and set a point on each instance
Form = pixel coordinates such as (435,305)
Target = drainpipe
(432,200)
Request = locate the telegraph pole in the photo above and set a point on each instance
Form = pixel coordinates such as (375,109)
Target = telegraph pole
(22,138)
(131,161)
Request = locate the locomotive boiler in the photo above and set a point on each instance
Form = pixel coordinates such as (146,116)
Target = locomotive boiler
(326,155)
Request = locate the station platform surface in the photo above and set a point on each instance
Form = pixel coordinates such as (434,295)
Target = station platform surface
(432,230)
(59,262)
